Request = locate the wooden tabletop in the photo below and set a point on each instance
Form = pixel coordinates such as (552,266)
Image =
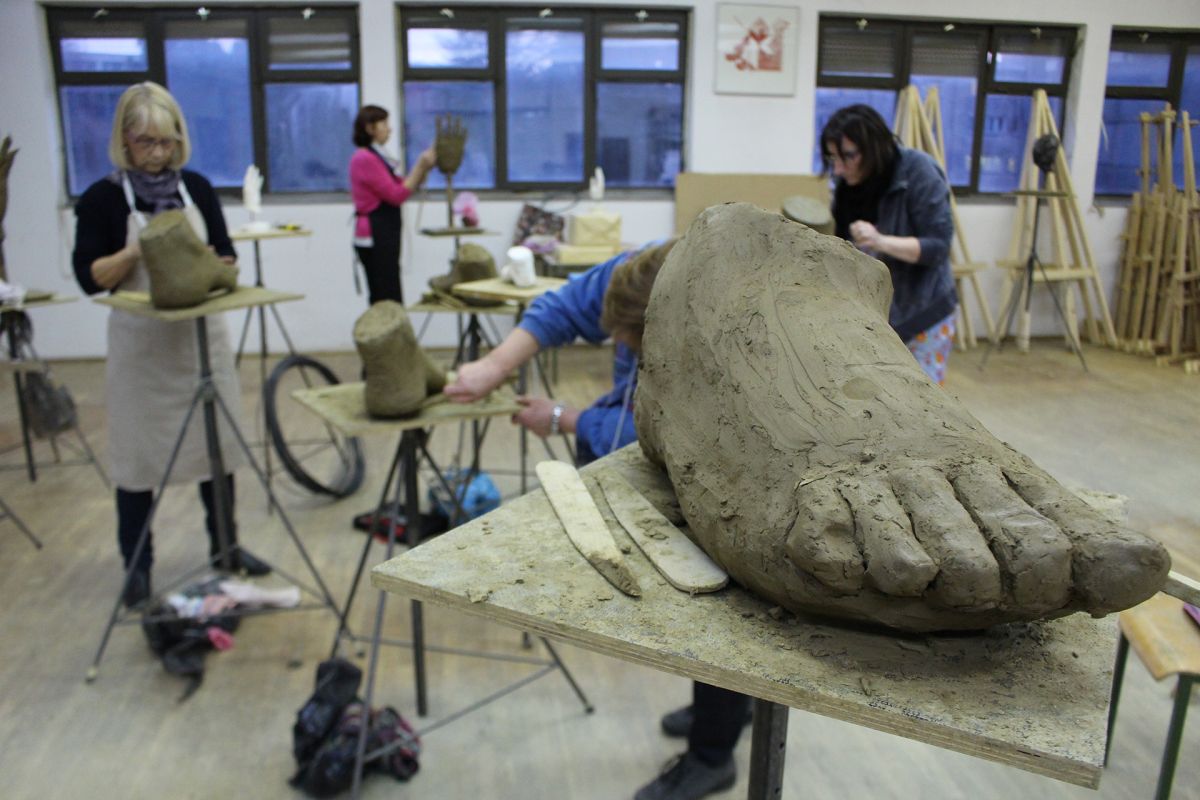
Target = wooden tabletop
(39,300)
(1164,637)
(245,235)
(1033,696)
(500,290)
(343,407)
(439,304)
(241,297)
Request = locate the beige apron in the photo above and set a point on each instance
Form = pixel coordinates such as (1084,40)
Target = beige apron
(151,375)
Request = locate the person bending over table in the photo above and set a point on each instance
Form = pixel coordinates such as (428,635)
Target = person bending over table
(151,368)
(894,203)
(378,189)
(611,298)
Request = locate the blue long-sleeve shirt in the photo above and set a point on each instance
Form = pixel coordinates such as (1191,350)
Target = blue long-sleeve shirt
(573,311)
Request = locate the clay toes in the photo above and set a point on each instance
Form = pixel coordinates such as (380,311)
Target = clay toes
(1112,568)
(821,540)
(896,564)
(968,575)
(1033,554)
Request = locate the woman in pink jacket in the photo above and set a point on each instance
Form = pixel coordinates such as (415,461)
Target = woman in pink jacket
(378,190)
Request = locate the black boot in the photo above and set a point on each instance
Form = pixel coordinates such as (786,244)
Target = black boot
(137,588)
(239,561)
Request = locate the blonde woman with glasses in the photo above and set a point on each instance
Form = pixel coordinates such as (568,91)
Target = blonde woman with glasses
(151,369)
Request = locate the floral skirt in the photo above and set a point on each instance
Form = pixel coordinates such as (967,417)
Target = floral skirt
(932,349)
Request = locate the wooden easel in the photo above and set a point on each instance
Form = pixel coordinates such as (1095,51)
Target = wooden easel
(1177,330)
(1072,263)
(919,127)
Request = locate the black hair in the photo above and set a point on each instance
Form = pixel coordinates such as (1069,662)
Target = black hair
(367,115)
(863,126)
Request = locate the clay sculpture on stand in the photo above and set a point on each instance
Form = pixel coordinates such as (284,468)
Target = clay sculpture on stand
(824,471)
(399,374)
(472,263)
(183,270)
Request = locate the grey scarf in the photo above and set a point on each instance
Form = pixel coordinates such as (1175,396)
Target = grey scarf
(159,191)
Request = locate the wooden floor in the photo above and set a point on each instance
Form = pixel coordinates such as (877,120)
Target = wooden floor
(1127,427)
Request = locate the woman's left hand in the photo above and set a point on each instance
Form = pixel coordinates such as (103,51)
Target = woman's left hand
(537,413)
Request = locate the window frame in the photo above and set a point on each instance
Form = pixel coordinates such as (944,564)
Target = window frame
(1181,42)
(907,28)
(495,23)
(154,21)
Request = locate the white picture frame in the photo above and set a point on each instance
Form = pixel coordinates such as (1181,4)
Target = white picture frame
(756,49)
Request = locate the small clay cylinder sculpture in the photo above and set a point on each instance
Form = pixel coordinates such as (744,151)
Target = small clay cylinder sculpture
(399,375)
(473,263)
(182,269)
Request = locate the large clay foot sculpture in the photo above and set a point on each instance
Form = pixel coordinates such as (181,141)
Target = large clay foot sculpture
(399,374)
(472,263)
(818,465)
(182,268)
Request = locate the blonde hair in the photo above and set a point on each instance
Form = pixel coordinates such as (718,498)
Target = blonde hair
(628,292)
(142,107)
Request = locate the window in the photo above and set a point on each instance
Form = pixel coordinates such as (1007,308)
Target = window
(547,95)
(1146,70)
(985,76)
(275,87)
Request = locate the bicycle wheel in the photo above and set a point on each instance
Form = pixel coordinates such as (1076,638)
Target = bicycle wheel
(312,451)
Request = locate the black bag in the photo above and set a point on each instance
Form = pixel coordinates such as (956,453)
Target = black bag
(183,643)
(325,736)
(50,409)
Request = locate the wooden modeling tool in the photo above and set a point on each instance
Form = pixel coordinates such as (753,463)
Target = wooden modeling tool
(585,527)
(681,562)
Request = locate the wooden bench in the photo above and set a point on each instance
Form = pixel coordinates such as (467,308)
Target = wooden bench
(1167,641)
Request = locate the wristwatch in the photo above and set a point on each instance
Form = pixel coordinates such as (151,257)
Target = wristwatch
(556,419)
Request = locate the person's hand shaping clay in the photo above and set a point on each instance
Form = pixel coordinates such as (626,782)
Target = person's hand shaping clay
(183,269)
(399,374)
(817,464)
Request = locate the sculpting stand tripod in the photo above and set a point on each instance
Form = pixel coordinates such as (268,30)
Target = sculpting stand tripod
(209,400)
(261,311)
(1032,263)
(15,327)
(343,406)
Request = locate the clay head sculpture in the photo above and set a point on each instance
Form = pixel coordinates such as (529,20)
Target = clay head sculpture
(399,374)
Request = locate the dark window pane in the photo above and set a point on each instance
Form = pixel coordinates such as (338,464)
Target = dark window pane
(1139,64)
(545,105)
(950,61)
(639,133)
(473,101)
(640,45)
(1028,58)
(322,42)
(308,135)
(867,53)
(208,71)
(1121,145)
(830,100)
(1005,129)
(123,54)
(957,101)
(447,48)
(87,113)
(1190,102)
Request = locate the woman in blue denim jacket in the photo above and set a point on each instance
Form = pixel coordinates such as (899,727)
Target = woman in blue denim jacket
(894,203)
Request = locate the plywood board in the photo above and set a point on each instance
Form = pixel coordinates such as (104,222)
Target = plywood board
(243,235)
(240,297)
(439,304)
(696,191)
(37,301)
(343,407)
(1033,696)
(500,290)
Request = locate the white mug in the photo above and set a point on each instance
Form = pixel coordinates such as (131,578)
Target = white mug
(519,269)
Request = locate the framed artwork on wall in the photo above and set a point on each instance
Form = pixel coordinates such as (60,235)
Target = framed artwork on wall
(756,49)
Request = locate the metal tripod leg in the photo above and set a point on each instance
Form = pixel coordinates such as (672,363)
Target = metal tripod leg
(20,523)
(767,750)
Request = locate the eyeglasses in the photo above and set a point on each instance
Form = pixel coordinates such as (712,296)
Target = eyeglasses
(149,143)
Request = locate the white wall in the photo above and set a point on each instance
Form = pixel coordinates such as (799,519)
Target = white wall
(724,134)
